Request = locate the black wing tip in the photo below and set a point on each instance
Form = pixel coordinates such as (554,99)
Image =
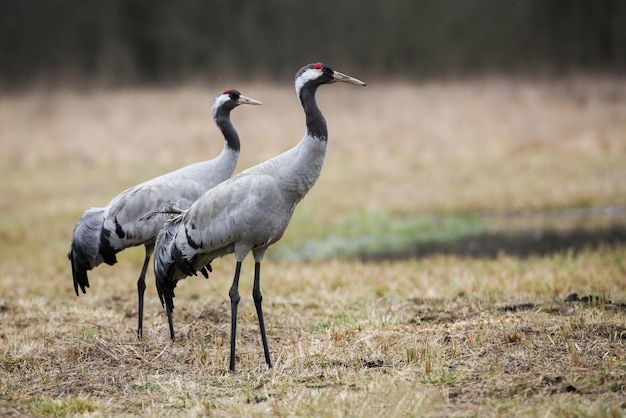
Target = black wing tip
(79,275)
(81,282)
(165,289)
(206,270)
(168,259)
(164,284)
(82,288)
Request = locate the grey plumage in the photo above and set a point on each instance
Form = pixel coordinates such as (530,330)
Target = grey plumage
(248,212)
(86,256)
(103,232)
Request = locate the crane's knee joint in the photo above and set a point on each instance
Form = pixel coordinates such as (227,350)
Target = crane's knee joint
(234,296)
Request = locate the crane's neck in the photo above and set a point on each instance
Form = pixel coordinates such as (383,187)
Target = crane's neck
(315,122)
(297,169)
(306,159)
(231,138)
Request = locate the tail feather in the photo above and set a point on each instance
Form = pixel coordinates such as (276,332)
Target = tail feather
(78,274)
(165,262)
(84,253)
(206,270)
(170,265)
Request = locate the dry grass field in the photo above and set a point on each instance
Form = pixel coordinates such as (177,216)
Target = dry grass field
(442,335)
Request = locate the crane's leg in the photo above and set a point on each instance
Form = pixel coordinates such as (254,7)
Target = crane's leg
(258,298)
(234,301)
(170,321)
(141,288)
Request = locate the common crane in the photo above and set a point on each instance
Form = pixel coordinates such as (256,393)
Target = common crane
(103,232)
(248,212)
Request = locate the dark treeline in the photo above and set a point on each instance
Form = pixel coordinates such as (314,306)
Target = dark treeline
(163,41)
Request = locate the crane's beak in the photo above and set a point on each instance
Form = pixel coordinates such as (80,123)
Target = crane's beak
(346,78)
(246,100)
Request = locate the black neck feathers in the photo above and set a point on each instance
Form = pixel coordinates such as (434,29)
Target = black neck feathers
(222,120)
(315,122)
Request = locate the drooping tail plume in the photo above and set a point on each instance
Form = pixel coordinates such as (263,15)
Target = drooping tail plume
(165,261)
(84,253)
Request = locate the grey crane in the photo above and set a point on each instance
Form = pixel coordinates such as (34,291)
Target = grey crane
(248,212)
(103,232)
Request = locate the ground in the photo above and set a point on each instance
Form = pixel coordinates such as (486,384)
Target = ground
(351,333)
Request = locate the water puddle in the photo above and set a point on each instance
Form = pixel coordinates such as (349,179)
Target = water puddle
(527,233)
(381,236)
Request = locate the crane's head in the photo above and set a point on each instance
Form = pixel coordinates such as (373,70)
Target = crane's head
(319,73)
(230,99)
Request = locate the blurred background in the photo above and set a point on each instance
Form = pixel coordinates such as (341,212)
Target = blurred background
(121,42)
(486,125)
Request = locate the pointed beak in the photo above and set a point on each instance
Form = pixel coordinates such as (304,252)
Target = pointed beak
(246,100)
(346,78)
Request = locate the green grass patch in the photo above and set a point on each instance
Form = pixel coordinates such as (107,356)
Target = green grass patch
(66,407)
(339,321)
(370,233)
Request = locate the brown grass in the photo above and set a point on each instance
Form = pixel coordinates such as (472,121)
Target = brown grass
(442,336)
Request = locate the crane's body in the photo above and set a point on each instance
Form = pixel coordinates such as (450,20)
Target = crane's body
(220,222)
(248,212)
(103,232)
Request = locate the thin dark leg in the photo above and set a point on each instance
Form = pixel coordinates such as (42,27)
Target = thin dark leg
(170,322)
(141,288)
(234,301)
(258,298)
